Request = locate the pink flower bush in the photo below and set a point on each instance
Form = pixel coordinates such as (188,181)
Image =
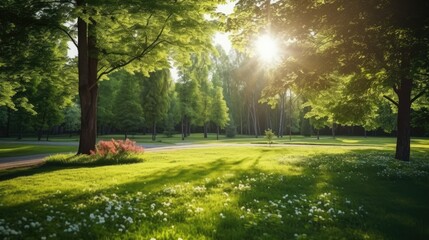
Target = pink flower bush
(116,148)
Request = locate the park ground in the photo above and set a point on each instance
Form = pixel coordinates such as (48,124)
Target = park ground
(344,188)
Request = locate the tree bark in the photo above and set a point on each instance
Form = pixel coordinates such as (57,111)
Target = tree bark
(47,133)
(255,123)
(154,131)
(404,118)
(290,115)
(281,108)
(217,133)
(205,130)
(88,89)
(8,122)
(183,129)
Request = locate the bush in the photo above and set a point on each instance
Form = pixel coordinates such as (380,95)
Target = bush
(116,149)
(269,135)
(231,130)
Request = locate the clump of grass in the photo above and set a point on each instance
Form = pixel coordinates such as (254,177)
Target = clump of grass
(91,160)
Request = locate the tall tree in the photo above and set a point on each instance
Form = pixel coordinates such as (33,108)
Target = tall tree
(383,44)
(127,109)
(155,89)
(112,35)
(219,111)
(189,99)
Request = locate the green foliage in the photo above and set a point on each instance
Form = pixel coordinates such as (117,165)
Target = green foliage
(128,112)
(155,99)
(269,135)
(231,128)
(72,117)
(107,92)
(173,114)
(30,48)
(420,119)
(219,110)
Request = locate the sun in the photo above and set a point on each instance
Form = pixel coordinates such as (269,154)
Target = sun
(267,48)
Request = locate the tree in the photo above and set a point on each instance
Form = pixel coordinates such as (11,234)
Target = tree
(29,49)
(128,112)
(189,95)
(269,136)
(206,88)
(382,44)
(155,89)
(72,118)
(219,113)
(173,114)
(110,35)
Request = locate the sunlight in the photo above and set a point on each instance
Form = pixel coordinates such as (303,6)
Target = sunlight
(267,48)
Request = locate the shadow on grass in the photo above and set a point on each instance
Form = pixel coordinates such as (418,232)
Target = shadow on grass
(393,208)
(69,161)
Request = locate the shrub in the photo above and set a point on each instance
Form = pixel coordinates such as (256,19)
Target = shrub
(116,148)
(231,129)
(269,135)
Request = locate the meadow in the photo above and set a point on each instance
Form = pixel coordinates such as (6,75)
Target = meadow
(237,192)
(61,144)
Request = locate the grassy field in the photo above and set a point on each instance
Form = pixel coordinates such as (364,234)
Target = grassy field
(27,146)
(317,192)
(22,149)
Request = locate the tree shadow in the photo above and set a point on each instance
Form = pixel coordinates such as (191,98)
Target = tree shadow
(394,210)
(68,162)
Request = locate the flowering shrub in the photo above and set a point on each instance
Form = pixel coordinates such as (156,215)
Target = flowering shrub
(116,148)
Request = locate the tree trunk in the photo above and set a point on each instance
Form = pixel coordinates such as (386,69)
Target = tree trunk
(404,118)
(241,122)
(248,120)
(333,130)
(126,135)
(183,128)
(255,123)
(88,89)
(47,133)
(8,122)
(281,109)
(318,130)
(39,134)
(205,130)
(154,131)
(290,115)
(217,133)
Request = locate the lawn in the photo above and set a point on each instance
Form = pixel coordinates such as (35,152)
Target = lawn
(22,149)
(317,192)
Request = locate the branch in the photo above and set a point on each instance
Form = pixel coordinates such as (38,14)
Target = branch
(424,74)
(395,88)
(146,50)
(418,95)
(68,34)
(391,100)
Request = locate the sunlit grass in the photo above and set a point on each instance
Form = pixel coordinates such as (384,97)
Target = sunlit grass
(317,192)
(11,150)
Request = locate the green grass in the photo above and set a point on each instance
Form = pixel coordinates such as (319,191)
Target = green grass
(13,150)
(318,192)
(25,147)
